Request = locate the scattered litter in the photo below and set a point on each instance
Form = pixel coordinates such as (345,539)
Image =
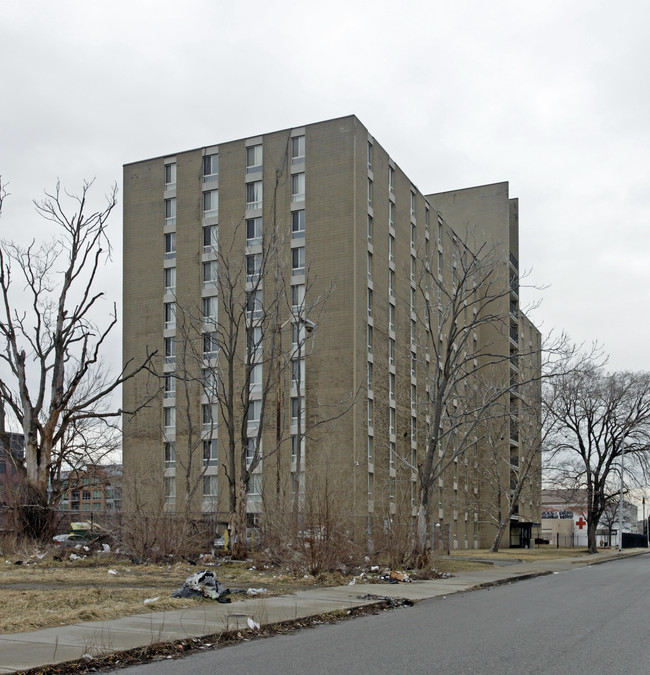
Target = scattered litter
(253,625)
(203,583)
(374,568)
(112,572)
(106,548)
(74,556)
(148,601)
(306,576)
(354,581)
(400,576)
(256,591)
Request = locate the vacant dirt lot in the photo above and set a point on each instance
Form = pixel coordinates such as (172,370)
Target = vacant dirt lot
(44,592)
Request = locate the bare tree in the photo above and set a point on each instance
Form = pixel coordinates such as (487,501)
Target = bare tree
(54,382)
(599,426)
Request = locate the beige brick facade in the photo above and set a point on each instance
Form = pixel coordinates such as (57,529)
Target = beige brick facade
(367,234)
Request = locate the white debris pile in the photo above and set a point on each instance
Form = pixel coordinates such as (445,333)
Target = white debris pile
(203,583)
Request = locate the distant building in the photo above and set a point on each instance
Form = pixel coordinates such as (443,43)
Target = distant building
(564,519)
(94,488)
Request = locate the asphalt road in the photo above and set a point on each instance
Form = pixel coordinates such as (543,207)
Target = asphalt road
(587,620)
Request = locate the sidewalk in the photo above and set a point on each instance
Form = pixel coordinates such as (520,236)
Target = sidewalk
(21,651)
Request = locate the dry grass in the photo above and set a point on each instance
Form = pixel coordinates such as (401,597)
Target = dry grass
(45,593)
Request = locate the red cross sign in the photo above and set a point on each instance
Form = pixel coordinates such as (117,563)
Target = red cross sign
(581,522)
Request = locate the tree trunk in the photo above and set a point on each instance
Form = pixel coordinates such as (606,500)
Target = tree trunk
(591,535)
(238,533)
(422,552)
(499,536)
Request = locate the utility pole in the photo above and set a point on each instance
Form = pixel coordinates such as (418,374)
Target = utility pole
(620,505)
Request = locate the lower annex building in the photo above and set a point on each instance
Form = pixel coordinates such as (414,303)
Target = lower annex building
(298,289)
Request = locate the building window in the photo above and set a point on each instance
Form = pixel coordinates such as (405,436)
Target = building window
(391,248)
(254,304)
(254,195)
(210,453)
(254,412)
(370,228)
(170,245)
(369,192)
(412,235)
(298,148)
(298,187)
(391,317)
(391,283)
(253,267)
(369,375)
(298,260)
(170,351)
(370,303)
(391,488)
(253,340)
(253,159)
(251,446)
(170,174)
(298,224)
(413,332)
(294,448)
(255,380)
(391,179)
(210,310)
(210,383)
(210,345)
(391,421)
(297,409)
(391,386)
(253,231)
(412,268)
(210,167)
(391,352)
(170,211)
(211,204)
(370,340)
(298,372)
(170,386)
(169,419)
(412,204)
(369,156)
(210,486)
(391,456)
(391,215)
(170,279)
(370,450)
(170,315)
(370,412)
(369,266)
(297,297)
(210,274)
(209,414)
(371,486)
(170,488)
(169,450)
(210,238)
(255,487)
(298,334)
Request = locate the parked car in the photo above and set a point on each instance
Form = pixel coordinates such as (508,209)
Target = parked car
(75,539)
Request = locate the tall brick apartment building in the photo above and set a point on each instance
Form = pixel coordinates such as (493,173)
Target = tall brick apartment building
(328,242)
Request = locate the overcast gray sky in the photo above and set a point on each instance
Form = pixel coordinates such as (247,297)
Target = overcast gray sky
(551,96)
